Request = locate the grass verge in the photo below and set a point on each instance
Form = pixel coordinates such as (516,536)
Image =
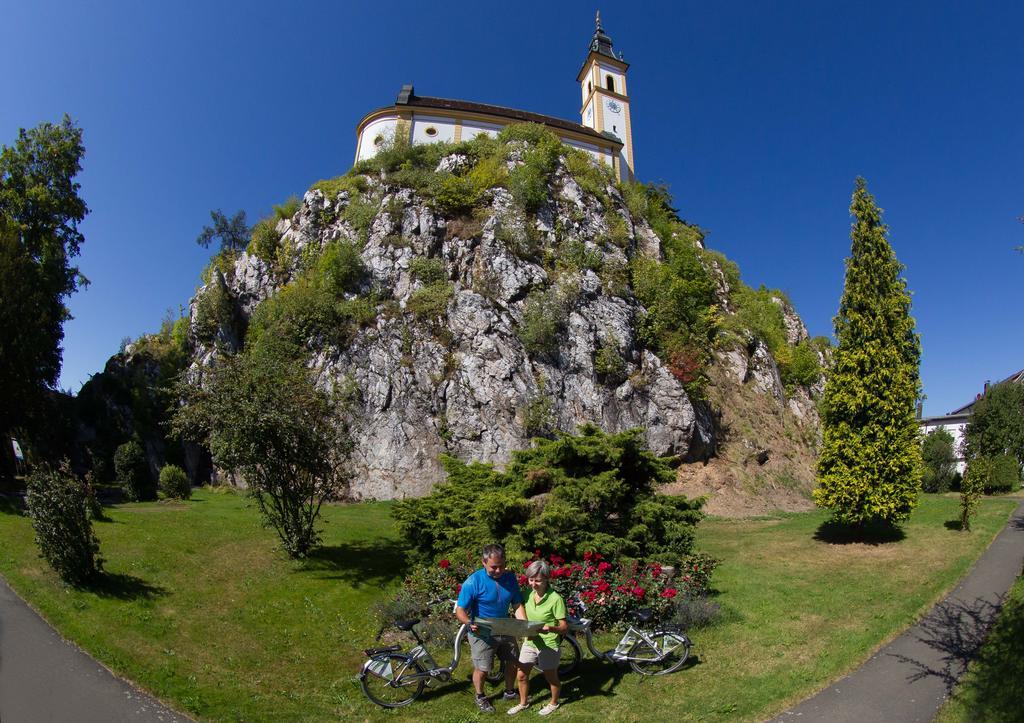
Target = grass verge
(200,608)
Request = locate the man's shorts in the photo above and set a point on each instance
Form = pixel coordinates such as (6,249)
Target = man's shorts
(483,650)
(543,658)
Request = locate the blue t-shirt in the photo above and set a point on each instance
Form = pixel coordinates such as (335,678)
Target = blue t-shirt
(480,597)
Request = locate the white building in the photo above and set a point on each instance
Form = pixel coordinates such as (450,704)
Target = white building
(605,131)
(956,421)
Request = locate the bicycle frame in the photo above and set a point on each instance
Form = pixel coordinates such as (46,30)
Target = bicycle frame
(622,652)
(433,673)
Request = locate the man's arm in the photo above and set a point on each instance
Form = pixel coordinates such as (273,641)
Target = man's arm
(520,612)
(463,617)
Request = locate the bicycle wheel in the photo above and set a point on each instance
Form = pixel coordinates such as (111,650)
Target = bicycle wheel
(671,651)
(383,681)
(497,674)
(569,655)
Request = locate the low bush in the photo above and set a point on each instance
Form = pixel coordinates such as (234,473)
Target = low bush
(939,461)
(214,311)
(453,195)
(287,209)
(591,176)
(972,486)
(431,302)
(174,482)
(799,364)
(609,364)
(427,271)
(132,471)
(341,268)
(58,504)
(352,183)
(265,240)
(1003,476)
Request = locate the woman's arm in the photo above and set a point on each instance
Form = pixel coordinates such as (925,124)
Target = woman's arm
(561,627)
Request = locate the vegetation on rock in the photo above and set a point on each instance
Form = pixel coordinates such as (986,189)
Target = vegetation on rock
(870,463)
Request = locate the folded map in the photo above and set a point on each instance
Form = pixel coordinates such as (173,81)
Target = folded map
(508,626)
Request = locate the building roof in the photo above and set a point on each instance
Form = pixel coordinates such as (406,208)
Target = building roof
(407,98)
(601,45)
(1015,378)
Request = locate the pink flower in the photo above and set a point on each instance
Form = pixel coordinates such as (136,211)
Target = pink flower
(556,560)
(522,580)
(603,567)
(587,555)
(655,570)
(638,591)
(602,586)
(668,592)
(444,564)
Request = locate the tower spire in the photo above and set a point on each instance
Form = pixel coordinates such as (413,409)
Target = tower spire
(601,43)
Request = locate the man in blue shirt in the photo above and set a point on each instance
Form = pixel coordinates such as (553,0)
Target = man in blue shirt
(488,593)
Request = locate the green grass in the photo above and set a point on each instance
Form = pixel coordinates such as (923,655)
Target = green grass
(993,689)
(200,608)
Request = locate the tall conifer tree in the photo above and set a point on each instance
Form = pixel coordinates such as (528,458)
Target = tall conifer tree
(870,464)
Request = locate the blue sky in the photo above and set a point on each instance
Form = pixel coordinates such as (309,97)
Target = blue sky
(758,115)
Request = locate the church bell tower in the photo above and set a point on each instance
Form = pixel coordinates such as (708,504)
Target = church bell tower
(605,97)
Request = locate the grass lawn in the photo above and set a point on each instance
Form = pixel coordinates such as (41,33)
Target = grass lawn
(200,608)
(993,689)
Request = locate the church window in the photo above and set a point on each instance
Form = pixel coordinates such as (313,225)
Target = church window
(431,131)
(590,87)
(610,82)
(378,140)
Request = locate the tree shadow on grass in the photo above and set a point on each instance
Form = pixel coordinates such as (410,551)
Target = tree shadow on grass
(953,525)
(359,563)
(12,505)
(872,533)
(123,587)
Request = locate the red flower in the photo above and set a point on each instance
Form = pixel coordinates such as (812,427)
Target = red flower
(587,555)
(556,560)
(597,556)
(623,588)
(602,586)
(444,564)
(655,570)
(458,588)
(588,572)
(536,554)
(522,580)
(668,592)
(603,567)
(638,591)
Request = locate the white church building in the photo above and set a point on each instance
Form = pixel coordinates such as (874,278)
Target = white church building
(604,131)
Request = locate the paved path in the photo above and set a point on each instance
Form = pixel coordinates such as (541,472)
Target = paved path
(45,678)
(910,678)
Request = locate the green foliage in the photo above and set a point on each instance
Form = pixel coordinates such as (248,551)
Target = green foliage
(618,231)
(870,463)
(265,240)
(287,209)
(799,364)
(609,364)
(452,195)
(528,181)
(215,310)
(427,271)
(233,233)
(575,255)
(58,505)
(340,268)
(996,425)
(575,494)
(262,415)
(939,461)
(431,302)
(132,471)
(591,176)
(488,173)
(545,315)
(996,473)
(360,214)
(222,262)
(40,212)
(174,482)
(538,413)
(756,312)
(978,472)
(352,183)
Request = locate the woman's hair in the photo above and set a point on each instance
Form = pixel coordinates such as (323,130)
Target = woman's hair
(539,568)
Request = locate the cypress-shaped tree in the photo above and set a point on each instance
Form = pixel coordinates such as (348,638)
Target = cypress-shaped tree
(870,463)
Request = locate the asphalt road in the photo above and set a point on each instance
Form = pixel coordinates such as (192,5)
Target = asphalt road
(909,679)
(45,678)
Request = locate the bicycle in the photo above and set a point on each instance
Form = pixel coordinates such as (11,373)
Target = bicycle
(392,678)
(658,652)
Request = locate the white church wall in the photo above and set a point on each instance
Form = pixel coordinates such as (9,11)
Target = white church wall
(383,128)
(443,129)
(471,129)
(596,153)
(588,115)
(614,121)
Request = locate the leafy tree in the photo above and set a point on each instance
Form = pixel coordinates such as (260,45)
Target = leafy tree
(939,461)
(577,493)
(40,211)
(971,488)
(997,423)
(233,233)
(870,463)
(132,470)
(261,415)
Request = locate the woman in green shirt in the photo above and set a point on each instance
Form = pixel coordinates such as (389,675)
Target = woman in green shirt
(545,605)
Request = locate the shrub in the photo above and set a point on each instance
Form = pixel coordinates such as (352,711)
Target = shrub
(939,461)
(353,184)
(997,423)
(1004,474)
(360,214)
(538,413)
(799,364)
(431,302)
(132,470)
(577,493)
(174,482)
(452,195)
(545,315)
(58,506)
(341,268)
(971,488)
(265,240)
(214,311)
(427,271)
(609,364)
(287,209)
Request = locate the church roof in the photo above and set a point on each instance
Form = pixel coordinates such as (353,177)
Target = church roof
(406,98)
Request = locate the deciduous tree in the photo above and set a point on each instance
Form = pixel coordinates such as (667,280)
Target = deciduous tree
(233,233)
(870,463)
(997,423)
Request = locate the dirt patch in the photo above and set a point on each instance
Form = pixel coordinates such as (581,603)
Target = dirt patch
(766,457)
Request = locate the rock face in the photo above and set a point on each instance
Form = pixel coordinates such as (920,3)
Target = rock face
(463,383)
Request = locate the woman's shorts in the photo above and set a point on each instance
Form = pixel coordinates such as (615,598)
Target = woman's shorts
(543,658)
(483,650)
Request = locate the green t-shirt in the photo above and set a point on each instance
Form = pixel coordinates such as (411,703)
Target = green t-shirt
(549,610)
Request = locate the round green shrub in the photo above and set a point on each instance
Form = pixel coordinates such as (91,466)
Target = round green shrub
(132,471)
(58,505)
(174,482)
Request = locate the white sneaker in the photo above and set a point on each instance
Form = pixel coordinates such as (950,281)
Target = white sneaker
(518,708)
(548,709)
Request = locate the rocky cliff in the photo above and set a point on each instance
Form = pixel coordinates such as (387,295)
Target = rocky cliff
(488,321)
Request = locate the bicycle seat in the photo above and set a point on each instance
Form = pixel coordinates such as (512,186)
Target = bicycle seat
(405,625)
(643,615)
